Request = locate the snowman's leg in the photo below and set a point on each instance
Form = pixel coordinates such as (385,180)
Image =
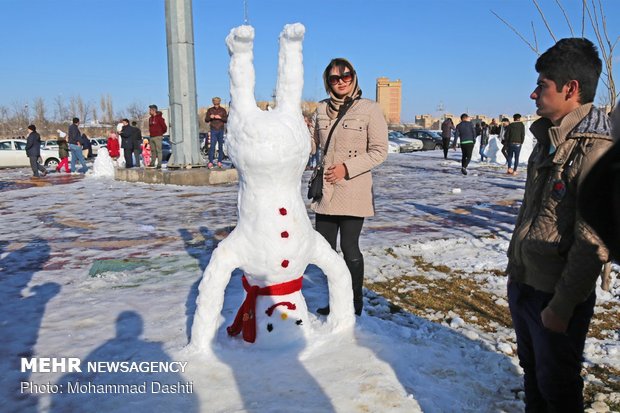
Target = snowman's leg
(338,281)
(290,68)
(240,42)
(211,294)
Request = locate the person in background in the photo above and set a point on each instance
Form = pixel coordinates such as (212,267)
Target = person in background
(350,156)
(137,144)
(146,151)
(514,136)
(315,158)
(447,126)
(502,137)
(33,151)
(157,129)
(63,152)
(216,117)
(87,147)
(467,134)
(127,134)
(75,146)
(113,147)
(484,140)
(554,256)
(494,128)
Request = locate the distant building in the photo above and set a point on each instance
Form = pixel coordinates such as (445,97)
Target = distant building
(389,94)
(424,121)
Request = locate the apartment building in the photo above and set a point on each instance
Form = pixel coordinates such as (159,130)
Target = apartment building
(389,97)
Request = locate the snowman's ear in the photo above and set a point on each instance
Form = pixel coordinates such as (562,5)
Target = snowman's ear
(290,68)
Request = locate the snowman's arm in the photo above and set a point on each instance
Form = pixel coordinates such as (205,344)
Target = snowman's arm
(338,281)
(290,68)
(211,293)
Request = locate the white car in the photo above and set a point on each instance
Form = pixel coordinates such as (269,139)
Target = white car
(404,143)
(97,143)
(13,154)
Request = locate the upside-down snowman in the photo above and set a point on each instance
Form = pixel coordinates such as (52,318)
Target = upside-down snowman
(273,241)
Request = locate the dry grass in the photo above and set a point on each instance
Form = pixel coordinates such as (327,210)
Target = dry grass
(462,294)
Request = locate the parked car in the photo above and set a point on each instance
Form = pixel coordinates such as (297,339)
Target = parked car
(166,148)
(393,147)
(430,139)
(405,143)
(97,143)
(51,144)
(13,154)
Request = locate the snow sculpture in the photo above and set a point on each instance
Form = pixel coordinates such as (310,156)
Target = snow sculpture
(104,165)
(274,240)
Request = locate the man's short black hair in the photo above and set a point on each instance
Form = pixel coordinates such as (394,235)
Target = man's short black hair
(464,115)
(76,120)
(153,107)
(134,123)
(505,120)
(516,116)
(572,59)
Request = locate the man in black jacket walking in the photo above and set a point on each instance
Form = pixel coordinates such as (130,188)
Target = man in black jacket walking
(466,132)
(33,151)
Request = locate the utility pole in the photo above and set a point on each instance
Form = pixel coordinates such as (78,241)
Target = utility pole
(183,116)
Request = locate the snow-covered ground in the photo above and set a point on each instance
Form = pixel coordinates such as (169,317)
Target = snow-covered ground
(108,271)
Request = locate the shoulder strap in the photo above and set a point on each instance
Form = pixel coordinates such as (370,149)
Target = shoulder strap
(343,110)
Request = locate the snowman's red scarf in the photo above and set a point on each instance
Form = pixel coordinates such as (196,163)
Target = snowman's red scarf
(246,316)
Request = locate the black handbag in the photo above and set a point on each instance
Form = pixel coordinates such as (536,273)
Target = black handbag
(315,185)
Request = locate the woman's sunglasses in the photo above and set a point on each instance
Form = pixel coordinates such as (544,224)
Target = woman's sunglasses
(346,77)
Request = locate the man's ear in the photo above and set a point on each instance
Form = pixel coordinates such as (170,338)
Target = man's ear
(572,89)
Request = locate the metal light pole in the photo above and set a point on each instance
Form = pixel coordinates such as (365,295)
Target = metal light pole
(183,117)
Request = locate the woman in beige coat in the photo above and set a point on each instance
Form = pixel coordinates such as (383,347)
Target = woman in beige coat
(358,144)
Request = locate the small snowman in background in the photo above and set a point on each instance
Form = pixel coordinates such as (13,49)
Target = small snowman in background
(273,241)
(104,164)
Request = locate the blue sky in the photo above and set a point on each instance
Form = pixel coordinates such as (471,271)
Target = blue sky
(450,51)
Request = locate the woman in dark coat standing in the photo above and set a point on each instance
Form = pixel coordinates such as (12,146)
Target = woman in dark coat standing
(33,151)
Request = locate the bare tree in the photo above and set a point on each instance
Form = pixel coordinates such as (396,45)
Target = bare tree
(73,107)
(4,121)
(39,112)
(107,111)
(136,111)
(60,109)
(595,14)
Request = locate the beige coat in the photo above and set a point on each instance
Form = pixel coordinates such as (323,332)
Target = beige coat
(552,248)
(360,142)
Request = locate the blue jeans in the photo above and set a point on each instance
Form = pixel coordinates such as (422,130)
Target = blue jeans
(217,136)
(76,154)
(514,149)
(315,160)
(481,151)
(551,361)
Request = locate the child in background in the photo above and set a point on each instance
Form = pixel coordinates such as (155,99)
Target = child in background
(63,153)
(114,148)
(146,152)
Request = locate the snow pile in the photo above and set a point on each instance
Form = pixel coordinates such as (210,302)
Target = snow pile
(494,148)
(103,166)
